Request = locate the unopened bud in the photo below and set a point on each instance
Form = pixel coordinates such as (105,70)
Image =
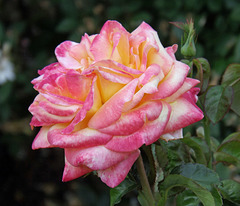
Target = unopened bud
(188,49)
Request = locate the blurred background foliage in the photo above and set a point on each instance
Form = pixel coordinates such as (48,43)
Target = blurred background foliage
(29,32)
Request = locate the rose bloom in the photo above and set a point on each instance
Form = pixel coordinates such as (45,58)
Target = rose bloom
(107,96)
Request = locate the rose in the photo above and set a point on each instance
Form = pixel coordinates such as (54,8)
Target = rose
(107,96)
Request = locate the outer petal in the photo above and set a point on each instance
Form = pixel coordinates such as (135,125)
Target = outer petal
(112,109)
(187,85)
(184,112)
(62,53)
(172,82)
(146,31)
(70,172)
(161,57)
(45,114)
(172,50)
(133,120)
(113,176)
(89,102)
(178,134)
(61,100)
(58,109)
(81,51)
(148,134)
(84,138)
(41,140)
(151,87)
(96,158)
(107,40)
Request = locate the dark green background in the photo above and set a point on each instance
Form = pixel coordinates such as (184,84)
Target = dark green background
(33,28)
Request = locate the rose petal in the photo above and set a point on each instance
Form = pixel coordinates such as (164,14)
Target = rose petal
(187,85)
(112,109)
(84,138)
(64,57)
(87,105)
(82,50)
(58,109)
(184,112)
(70,172)
(96,158)
(116,174)
(172,82)
(113,77)
(61,100)
(41,140)
(134,120)
(178,134)
(172,50)
(149,88)
(102,40)
(148,134)
(43,117)
(160,57)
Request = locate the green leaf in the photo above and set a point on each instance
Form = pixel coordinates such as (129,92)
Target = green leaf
(175,180)
(142,199)
(200,157)
(218,100)
(187,198)
(231,77)
(161,155)
(216,196)
(199,173)
(235,104)
(229,151)
(226,158)
(232,137)
(203,73)
(230,190)
(118,192)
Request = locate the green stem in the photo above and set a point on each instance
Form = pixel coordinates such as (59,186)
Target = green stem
(146,189)
(206,124)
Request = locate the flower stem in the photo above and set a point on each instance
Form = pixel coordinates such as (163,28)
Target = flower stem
(146,189)
(206,124)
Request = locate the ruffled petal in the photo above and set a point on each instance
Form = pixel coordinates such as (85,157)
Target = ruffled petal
(45,114)
(133,120)
(178,134)
(64,57)
(70,172)
(112,109)
(150,87)
(83,138)
(160,56)
(148,134)
(41,140)
(114,175)
(87,105)
(184,112)
(96,158)
(171,50)
(172,82)
(187,85)
(109,38)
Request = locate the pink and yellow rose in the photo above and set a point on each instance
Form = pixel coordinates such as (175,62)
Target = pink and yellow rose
(107,96)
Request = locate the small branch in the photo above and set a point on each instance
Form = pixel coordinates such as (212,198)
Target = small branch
(206,124)
(144,181)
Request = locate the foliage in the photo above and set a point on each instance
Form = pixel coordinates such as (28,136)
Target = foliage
(32,29)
